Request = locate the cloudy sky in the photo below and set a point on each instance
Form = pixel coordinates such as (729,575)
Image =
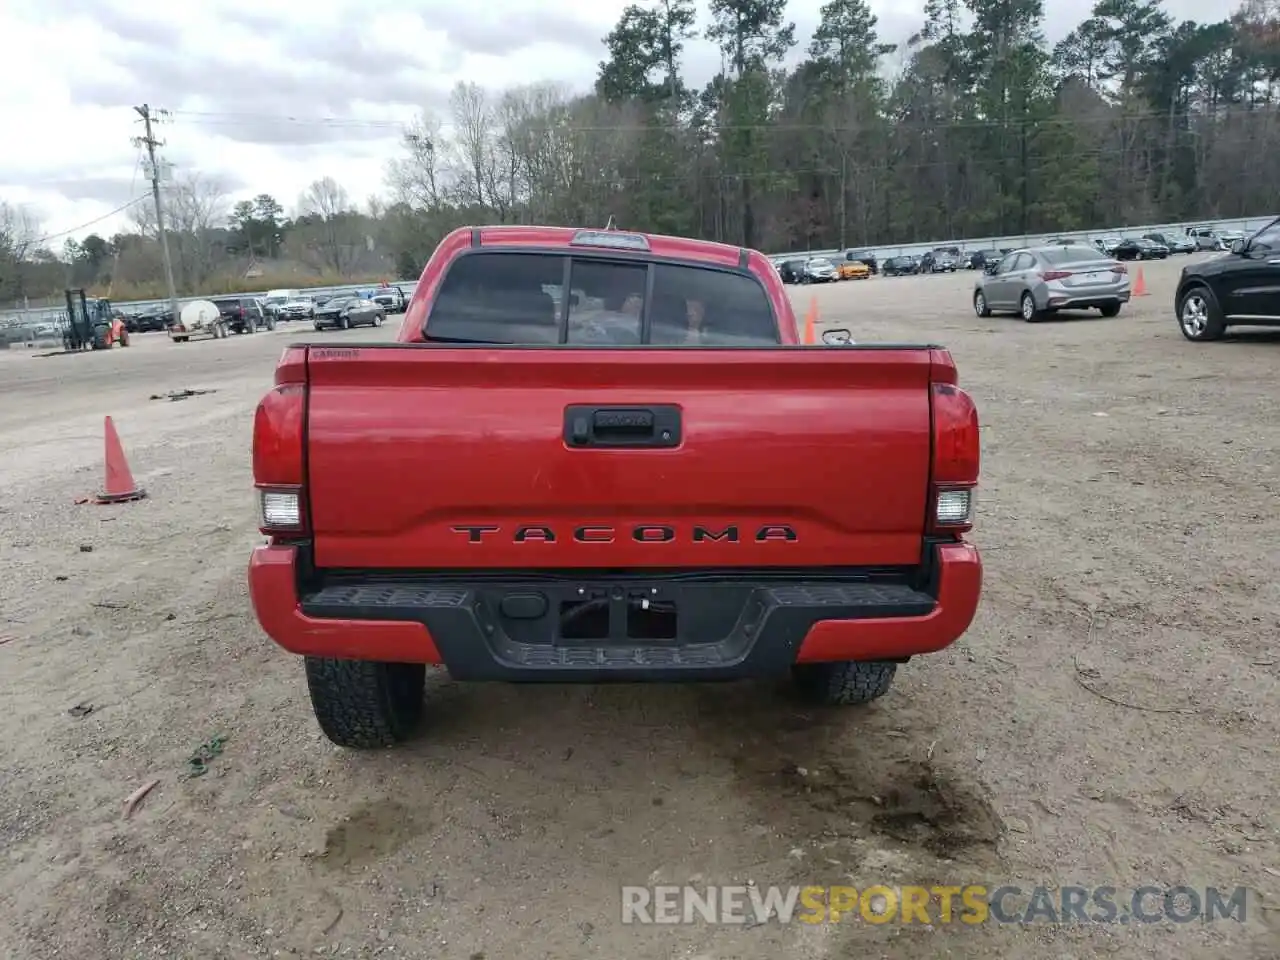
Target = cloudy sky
(269,95)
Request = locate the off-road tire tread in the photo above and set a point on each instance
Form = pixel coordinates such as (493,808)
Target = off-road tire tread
(366,705)
(846,683)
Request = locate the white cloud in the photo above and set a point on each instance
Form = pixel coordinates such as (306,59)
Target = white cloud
(269,95)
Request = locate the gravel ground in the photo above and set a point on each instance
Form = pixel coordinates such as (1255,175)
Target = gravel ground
(1110,719)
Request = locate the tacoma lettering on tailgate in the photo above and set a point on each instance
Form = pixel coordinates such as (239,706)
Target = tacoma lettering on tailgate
(641,533)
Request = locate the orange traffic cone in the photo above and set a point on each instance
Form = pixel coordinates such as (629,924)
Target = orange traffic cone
(811,321)
(1140,285)
(119,486)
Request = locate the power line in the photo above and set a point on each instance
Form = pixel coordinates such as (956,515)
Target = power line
(89,223)
(216,119)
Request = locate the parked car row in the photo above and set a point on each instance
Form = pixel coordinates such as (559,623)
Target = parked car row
(852,265)
(946,259)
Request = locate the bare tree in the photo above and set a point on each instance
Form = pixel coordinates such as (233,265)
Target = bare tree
(477,167)
(19,238)
(196,207)
(325,199)
(418,179)
(332,231)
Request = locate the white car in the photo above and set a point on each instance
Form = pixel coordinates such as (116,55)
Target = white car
(298,308)
(819,270)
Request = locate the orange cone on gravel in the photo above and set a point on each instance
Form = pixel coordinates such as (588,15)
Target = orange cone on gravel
(1140,285)
(119,486)
(811,322)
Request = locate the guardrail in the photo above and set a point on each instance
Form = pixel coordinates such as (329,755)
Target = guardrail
(1246,226)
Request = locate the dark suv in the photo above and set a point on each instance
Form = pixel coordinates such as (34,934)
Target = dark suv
(792,270)
(1239,289)
(243,314)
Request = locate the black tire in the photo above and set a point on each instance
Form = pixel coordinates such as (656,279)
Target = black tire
(377,319)
(1110,310)
(843,684)
(345,323)
(1027,308)
(271,324)
(251,325)
(366,705)
(1200,317)
(980,305)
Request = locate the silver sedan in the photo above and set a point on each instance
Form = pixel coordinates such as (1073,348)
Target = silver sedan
(1043,280)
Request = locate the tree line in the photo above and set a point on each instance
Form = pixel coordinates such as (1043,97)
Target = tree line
(214,244)
(975,126)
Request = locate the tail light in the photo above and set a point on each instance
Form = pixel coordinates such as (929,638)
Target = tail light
(956,455)
(1119,268)
(279,449)
(1056,274)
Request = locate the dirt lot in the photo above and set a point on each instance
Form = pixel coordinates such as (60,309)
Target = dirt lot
(1110,719)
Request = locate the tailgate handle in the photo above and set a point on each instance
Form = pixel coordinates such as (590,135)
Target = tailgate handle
(658,426)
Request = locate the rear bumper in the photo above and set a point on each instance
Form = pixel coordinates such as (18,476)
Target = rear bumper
(770,627)
(1066,301)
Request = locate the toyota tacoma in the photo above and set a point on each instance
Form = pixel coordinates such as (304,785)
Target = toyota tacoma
(593,455)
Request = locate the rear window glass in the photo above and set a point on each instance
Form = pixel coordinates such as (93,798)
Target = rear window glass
(519,298)
(1068,254)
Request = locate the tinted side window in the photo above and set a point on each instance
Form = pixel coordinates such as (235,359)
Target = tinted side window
(692,305)
(499,298)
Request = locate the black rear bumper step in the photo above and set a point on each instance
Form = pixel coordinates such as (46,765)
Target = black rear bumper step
(538,630)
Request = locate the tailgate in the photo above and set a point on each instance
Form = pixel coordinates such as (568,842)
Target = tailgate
(462,458)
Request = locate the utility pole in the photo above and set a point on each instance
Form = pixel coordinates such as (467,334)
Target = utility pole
(150,142)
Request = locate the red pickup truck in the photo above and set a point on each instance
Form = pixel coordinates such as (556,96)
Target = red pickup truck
(593,456)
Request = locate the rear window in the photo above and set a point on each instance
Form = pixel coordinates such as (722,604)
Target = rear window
(1068,254)
(520,298)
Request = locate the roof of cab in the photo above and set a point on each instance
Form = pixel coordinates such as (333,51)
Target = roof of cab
(676,248)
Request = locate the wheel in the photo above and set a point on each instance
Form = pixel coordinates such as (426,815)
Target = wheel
(124,338)
(980,304)
(271,324)
(1199,316)
(1027,307)
(1110,310)
(846,683)
(250,326)
(318,328)
(363,704)
(345,323)
(377,319)
(179,339)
